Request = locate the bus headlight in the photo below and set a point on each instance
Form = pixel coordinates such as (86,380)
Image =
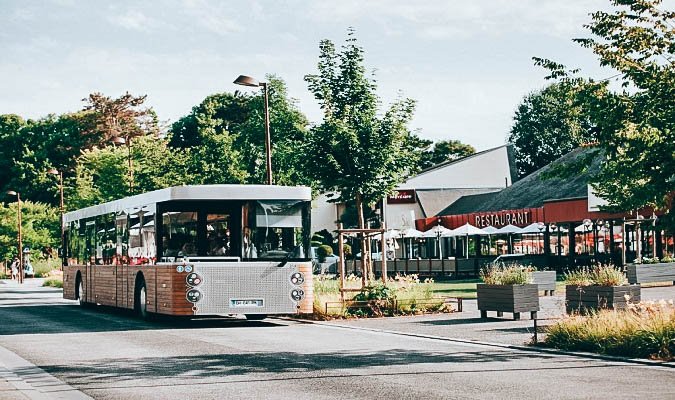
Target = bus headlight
(193,295)
(297,278)
(297,294)
(193,279)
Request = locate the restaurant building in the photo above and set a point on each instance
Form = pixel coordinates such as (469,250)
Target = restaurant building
(571,229)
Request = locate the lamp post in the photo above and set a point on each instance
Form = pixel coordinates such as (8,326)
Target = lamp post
(587,225)
(248,81)
(118,141)
(54,171)
(20,244)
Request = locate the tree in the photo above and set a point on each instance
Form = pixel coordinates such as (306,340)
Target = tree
(241,118)
(39,227)
(442,151)
(354,153)
(124,116)
(548,124)
(636,126)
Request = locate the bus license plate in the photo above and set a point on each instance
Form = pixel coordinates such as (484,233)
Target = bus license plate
(246,302)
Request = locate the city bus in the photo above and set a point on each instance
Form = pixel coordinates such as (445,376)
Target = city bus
(194,251)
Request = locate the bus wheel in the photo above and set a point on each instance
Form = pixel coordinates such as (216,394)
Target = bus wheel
(141,303)
(255,317)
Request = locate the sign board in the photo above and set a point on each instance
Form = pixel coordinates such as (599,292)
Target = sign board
(402,197)
(502,218)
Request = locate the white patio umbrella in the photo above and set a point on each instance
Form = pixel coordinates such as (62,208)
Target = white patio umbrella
(508,230)
(466,230)
(437,232)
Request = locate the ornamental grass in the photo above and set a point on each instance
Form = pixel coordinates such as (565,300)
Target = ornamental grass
(506,274)
(600,275)
(643,330)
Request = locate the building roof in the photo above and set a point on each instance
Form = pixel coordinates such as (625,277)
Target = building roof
(444,164)
(534,189)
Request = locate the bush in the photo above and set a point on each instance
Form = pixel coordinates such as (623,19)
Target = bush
(324,251)
(645,330)
(601,275)
(501,274)
(53,282)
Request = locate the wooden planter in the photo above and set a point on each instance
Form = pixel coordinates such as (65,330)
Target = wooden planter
(644,273)
(584,298)
(545,280)
(508,298)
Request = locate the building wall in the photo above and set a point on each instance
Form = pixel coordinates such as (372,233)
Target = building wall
(486,169)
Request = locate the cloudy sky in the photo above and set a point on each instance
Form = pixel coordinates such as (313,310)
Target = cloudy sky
(467,63)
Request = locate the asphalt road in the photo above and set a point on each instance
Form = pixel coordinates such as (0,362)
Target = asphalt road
(110,355)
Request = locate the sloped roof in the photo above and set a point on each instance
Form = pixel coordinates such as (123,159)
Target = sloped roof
(532,190)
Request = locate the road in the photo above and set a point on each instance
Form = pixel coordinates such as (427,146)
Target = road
(110,355)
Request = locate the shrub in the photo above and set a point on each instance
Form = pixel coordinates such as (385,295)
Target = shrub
(53,282)
(667,259)
(324,251)
(601,275)
(646,330)
(501,274)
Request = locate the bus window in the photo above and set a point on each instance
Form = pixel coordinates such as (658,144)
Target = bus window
(179,234)
(218,235)
(278,230)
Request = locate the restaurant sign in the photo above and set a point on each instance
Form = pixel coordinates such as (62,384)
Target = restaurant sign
(402,197)
(503,218)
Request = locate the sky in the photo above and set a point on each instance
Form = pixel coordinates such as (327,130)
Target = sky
(468,64)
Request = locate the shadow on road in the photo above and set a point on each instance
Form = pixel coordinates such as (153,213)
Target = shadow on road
(462,321)
(75,319)
(120,370)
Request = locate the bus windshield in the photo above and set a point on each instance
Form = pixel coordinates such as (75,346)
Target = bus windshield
(277,229)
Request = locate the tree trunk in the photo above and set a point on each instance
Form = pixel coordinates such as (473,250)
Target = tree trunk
(365,265)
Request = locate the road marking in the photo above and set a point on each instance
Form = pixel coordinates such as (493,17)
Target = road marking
(32,381)
(505,347)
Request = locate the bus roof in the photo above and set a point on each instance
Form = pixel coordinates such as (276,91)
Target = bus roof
(195,192)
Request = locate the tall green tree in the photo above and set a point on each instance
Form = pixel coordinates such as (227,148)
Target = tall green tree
(39,227)
(636,126)
(548,124)
(442,151)
(354,152)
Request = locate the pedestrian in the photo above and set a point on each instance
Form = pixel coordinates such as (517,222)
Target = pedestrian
(15,268)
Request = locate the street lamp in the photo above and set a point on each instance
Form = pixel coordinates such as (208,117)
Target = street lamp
(54,171)
(248,81)
(118,141)
(20,244)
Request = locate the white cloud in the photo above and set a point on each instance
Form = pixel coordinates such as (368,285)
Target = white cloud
(216,17)
(135,20)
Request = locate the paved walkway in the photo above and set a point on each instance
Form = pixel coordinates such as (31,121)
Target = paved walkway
(468,325)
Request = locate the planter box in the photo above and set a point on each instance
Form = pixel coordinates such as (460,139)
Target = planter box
(508,298)
(644,273)
(584,298)
(545,280)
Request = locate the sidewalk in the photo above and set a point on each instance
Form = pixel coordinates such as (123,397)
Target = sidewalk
(468,325)
(20,379)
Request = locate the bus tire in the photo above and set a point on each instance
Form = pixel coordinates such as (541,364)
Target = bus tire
(141,298)
(255,317)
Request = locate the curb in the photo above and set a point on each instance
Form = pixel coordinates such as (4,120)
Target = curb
(594,356)
(33,382)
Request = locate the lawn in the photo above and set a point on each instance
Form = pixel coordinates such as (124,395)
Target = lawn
(465,288)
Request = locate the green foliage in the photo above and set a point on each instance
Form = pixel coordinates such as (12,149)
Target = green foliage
(324,251)
(636,126)
(40,227)
(444,150)
(645,330)
(354,152)
(53,282)
(547,125)
(602,275)
(506,274)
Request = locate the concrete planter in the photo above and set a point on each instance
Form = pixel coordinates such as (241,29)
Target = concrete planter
(545,280)
(644,273)
(585,298)
(508,298)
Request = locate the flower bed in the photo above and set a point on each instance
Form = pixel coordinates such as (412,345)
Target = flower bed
(601,287)
(507,288)
(646,273)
